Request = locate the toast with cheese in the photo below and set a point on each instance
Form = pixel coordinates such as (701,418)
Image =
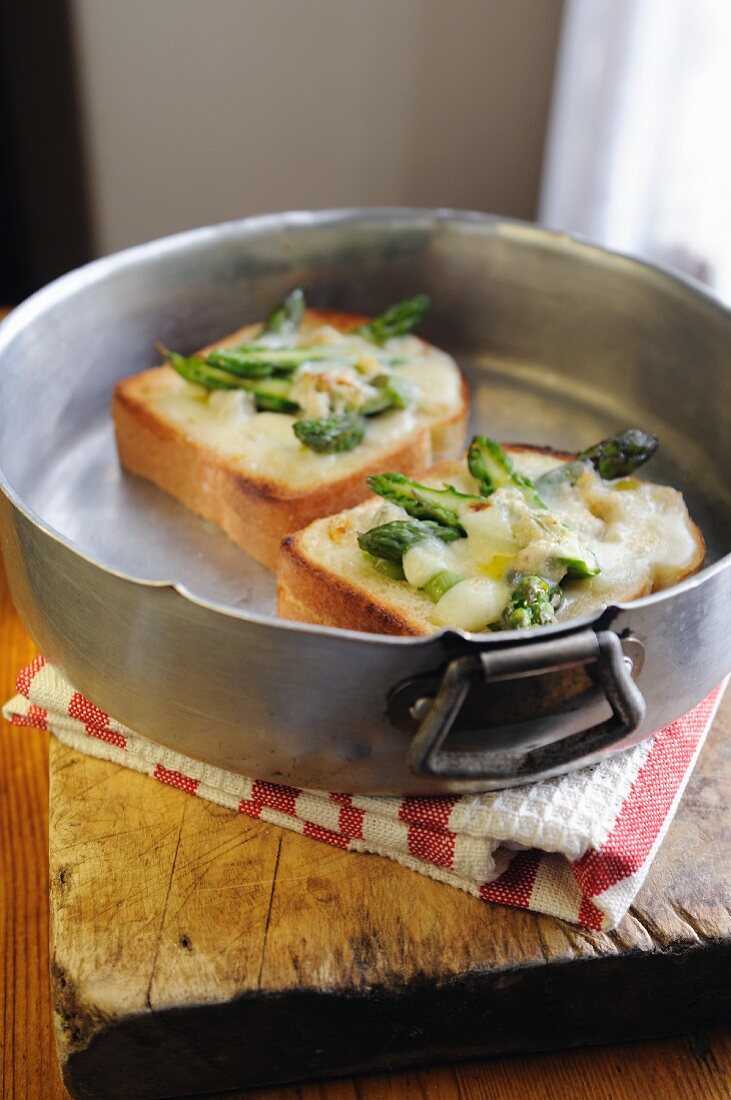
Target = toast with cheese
(232,455)
(622,539)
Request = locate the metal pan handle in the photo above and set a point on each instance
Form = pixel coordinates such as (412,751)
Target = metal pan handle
(609,668)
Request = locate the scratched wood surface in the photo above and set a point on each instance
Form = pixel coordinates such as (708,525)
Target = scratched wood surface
(695,1066)
(179,927)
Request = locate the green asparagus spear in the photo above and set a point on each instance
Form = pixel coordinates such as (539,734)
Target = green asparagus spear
(567,474)
(393,393)
(256,361)
(617,456)
(286,317)
(396,321)
(195,369)
(237,363)
(533,602)
(440,583)
(584,564)
(389,542)
(331,434)
(259,361)
(272,395)
(494,469)
(391,569)
(269,393)
(577,559)
(392,540)
(423,501)
(621,454)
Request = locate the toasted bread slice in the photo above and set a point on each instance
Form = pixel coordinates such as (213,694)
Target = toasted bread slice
(248,473)
(324,577)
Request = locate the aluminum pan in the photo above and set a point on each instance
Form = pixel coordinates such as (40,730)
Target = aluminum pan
(99,323)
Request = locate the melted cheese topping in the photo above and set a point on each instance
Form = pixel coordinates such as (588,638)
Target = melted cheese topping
(640,533)
(264,443)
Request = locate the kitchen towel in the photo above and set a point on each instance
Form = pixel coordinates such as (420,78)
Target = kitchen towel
(576,847)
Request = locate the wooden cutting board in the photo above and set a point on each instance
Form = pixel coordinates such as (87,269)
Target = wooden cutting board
(193,949)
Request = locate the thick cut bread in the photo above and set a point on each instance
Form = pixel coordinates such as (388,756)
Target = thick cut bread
(168,433)
(323,576)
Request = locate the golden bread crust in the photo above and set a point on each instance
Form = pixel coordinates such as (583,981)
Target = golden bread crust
(307,592)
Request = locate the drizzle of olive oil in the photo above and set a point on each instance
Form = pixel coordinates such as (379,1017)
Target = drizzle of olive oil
(498,566)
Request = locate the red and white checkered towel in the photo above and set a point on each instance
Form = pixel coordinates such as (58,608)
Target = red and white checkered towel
(576,847)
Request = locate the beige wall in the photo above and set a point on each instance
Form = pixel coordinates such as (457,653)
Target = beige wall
(201,110)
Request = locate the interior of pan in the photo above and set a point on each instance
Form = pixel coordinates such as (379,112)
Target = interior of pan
(562,344)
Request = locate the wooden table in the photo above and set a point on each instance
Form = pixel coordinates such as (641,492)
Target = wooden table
(694,1066)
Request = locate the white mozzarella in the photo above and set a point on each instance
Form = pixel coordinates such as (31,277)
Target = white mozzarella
(424,560)
(234,404)
(472,604)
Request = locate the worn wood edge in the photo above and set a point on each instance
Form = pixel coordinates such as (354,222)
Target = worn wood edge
(283,1038)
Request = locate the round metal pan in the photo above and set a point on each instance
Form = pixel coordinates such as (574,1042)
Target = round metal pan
(170,628)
